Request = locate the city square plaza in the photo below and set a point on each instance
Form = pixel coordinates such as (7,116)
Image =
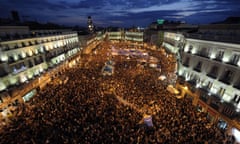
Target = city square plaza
(115,94)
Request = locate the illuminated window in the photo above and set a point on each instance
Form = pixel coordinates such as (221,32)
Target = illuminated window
(221,92)
(236,99)
(45,48)
(30,53)
(41,49)
(23,54)
(209,85)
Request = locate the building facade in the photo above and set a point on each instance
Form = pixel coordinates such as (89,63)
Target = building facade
(126,36)
(208,74)
(134,36)
(118,35)
(27,60)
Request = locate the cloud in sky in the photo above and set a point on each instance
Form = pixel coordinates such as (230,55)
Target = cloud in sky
(177,5)
(121,12)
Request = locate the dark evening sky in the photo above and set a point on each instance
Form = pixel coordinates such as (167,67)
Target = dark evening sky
(121,12)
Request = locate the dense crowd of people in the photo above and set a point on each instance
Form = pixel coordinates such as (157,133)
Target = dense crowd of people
(85,108)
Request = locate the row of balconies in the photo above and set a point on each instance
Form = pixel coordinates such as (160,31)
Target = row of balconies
(56,52)
(27,63)
(11,58)
(13,89)
(53,54)
(226,108)
(19,84)
(6,47)
(219,56)
(213,100)
(24,65)
(225,77)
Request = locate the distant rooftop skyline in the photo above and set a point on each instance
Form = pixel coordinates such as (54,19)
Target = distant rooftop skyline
(124,13)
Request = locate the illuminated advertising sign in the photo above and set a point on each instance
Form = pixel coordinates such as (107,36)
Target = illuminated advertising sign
(160,21)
